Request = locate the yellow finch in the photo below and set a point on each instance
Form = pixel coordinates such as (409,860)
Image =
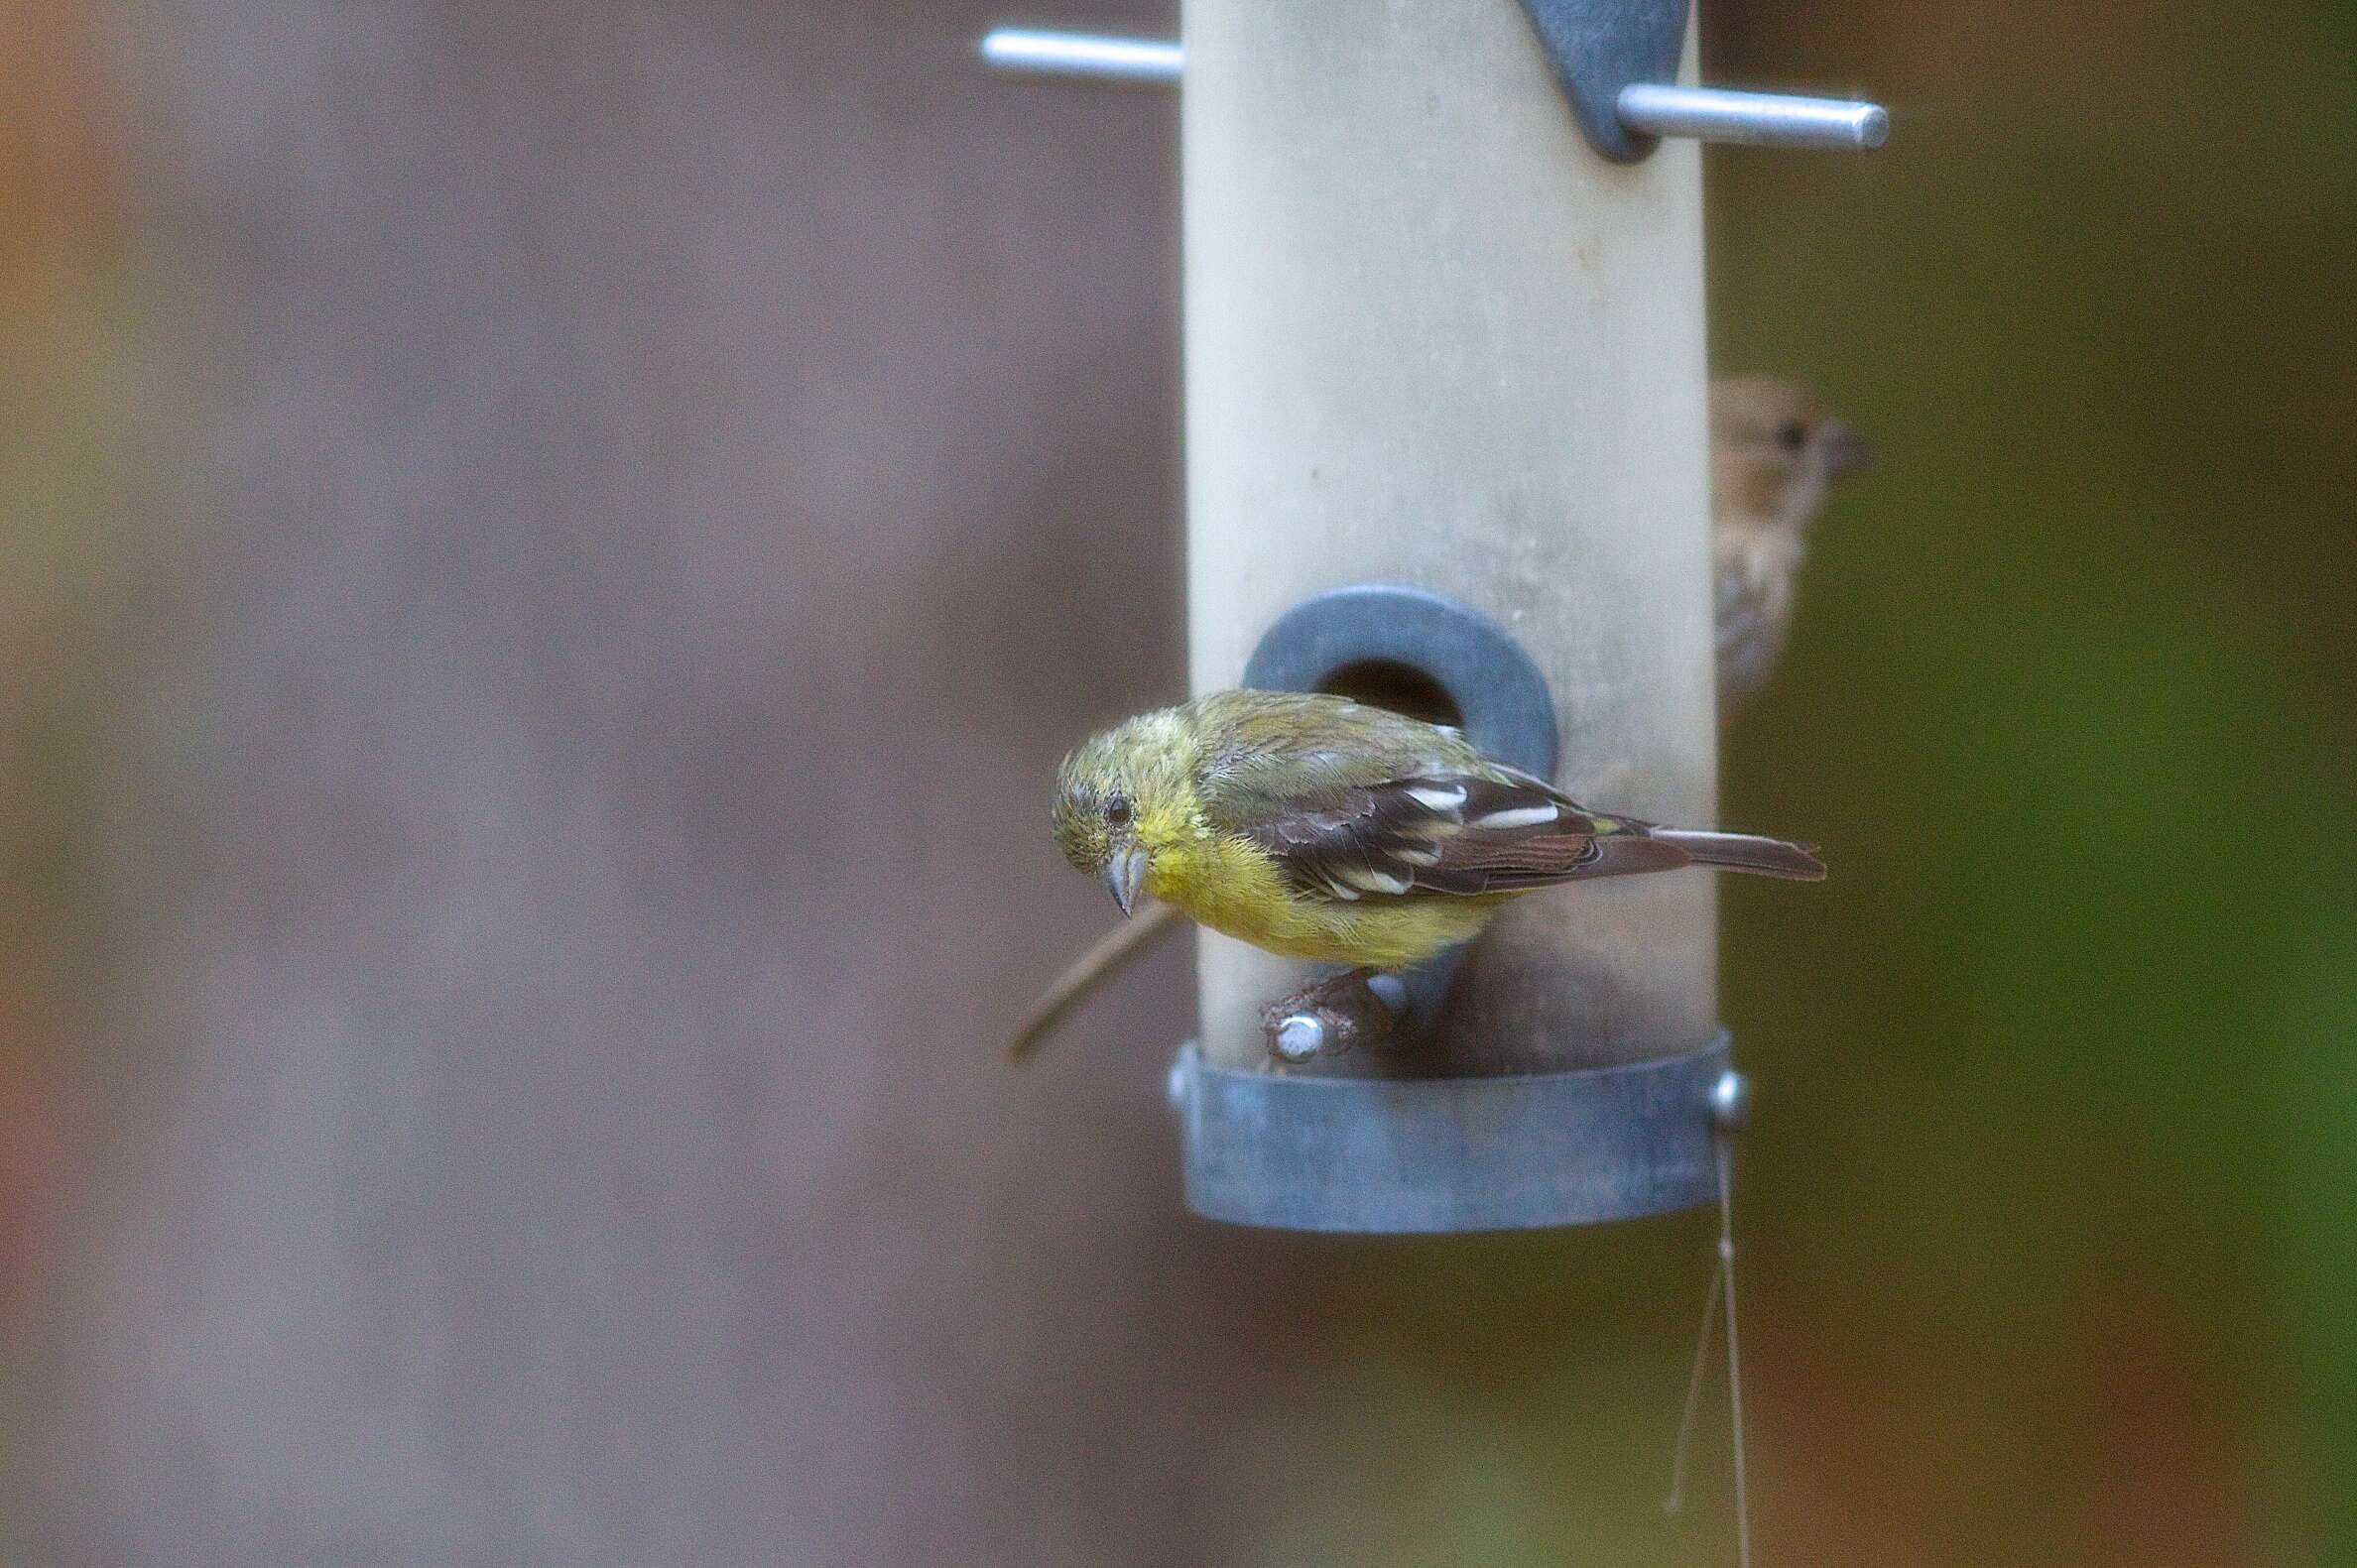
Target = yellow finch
(1319,828)
(1774,454)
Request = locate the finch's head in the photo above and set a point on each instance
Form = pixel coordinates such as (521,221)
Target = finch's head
(1774,452)
(1119,795)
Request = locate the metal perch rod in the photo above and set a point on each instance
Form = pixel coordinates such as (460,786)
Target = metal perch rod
(1753,119)
(1711,114)
(1087,56)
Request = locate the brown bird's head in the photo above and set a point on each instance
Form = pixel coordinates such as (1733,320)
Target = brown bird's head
(1774,453)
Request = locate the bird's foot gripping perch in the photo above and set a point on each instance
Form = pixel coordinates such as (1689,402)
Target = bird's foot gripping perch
(1357,1007)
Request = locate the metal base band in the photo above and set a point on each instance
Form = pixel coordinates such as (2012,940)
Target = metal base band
(1404,1156)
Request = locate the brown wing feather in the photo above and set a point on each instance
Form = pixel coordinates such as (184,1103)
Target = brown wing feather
(1539,860)
(1452,834)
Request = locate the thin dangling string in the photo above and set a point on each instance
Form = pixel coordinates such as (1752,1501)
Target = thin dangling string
(1693,1395)
(1722,1288)
(1726,1273)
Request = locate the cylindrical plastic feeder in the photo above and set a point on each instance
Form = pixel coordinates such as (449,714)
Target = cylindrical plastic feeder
(1435,344)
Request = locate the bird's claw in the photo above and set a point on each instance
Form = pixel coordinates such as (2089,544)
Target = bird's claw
(1335,1014)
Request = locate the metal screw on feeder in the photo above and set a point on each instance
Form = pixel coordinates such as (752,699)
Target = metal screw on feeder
(1730,1102)
(1640,111)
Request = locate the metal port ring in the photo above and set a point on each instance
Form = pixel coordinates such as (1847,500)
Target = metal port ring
(1508,711)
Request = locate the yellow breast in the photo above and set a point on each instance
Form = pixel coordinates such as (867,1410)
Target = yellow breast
(1231,886)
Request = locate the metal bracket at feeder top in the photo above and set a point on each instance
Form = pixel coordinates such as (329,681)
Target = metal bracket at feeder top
(1617,61)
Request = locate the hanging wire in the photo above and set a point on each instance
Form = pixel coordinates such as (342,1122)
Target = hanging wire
(1722,1288)
(1693,1395)
(1726,1273)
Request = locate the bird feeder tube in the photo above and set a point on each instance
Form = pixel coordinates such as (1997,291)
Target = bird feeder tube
(1435,343)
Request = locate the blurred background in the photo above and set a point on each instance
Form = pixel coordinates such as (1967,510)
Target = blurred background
(550,550)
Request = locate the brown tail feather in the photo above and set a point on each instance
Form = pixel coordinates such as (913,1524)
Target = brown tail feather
(1769,857)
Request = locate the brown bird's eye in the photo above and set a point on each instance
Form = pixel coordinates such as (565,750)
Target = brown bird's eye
(1792,435)
(1117,809)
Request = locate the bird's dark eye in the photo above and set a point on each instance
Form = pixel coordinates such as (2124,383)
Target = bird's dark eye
(1117,809)
(1792,435)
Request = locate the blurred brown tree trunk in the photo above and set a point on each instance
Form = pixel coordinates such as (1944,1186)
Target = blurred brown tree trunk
(669,481)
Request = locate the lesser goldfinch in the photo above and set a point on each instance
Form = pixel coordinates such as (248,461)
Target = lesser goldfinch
(1774,455)
(1321,828)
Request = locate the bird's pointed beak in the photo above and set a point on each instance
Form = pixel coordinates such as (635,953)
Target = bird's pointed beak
(1846,451)
(1124,874)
